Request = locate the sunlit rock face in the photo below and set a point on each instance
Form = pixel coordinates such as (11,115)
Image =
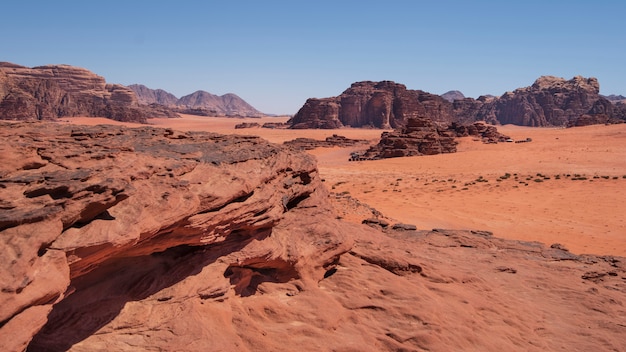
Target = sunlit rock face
(151,239)
(53,91)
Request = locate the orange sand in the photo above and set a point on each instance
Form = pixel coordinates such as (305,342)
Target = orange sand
(442,191)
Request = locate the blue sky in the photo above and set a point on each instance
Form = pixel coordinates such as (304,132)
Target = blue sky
(276,54)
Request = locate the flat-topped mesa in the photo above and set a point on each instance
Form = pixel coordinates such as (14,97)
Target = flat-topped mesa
(53,91)
(384,104)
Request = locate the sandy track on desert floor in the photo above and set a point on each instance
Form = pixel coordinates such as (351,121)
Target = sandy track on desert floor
(567,186)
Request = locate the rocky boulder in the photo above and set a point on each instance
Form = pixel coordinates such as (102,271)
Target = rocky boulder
(420,136)
(53,91)
(488,134)
(335,140)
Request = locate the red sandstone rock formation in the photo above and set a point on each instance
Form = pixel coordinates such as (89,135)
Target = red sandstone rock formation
(53,91)
(329,142)
(420,136)
(488,134)
(151,239)
(372,104)
(550,101)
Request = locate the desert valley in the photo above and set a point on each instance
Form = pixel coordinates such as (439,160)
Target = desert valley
(133,225)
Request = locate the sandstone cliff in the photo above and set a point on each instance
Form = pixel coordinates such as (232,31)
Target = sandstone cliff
(550,101)
(383,104)
(53,91)
(198,103)
(151,239)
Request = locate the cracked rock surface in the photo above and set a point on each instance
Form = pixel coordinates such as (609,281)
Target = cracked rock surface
(115,238)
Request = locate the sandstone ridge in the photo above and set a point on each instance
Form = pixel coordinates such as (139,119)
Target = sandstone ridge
(549,101)
(54,91)
(383,104)
(153,239)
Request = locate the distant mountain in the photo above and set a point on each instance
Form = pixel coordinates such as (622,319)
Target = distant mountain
(614,98)
(147,96)
(453,95)
(197,103)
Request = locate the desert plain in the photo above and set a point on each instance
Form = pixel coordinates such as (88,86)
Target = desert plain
(566,186)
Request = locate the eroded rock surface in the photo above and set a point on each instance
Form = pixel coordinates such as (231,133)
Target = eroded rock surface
(53,91)
(549,101)
(383,104)
(335,140)
(151,239)
(420,136)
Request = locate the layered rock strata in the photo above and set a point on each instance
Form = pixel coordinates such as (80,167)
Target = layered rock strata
(329,142)
(383,104)
(420,136)
(82,203)
(550,101)
(150,239)
(487,133)
(54,91)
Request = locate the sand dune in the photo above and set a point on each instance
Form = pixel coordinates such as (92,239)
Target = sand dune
(567,186)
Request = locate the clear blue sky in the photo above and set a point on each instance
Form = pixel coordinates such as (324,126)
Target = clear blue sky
(276,54)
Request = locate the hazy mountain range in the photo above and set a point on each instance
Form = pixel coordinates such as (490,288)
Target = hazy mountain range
(198,103)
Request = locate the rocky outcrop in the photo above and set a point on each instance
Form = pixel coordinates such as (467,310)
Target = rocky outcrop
(420,136)
(550,101)
(329,142)
(124,239)
(488,134)
(78,202)
(383,104)
(247,125)
(53,91)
